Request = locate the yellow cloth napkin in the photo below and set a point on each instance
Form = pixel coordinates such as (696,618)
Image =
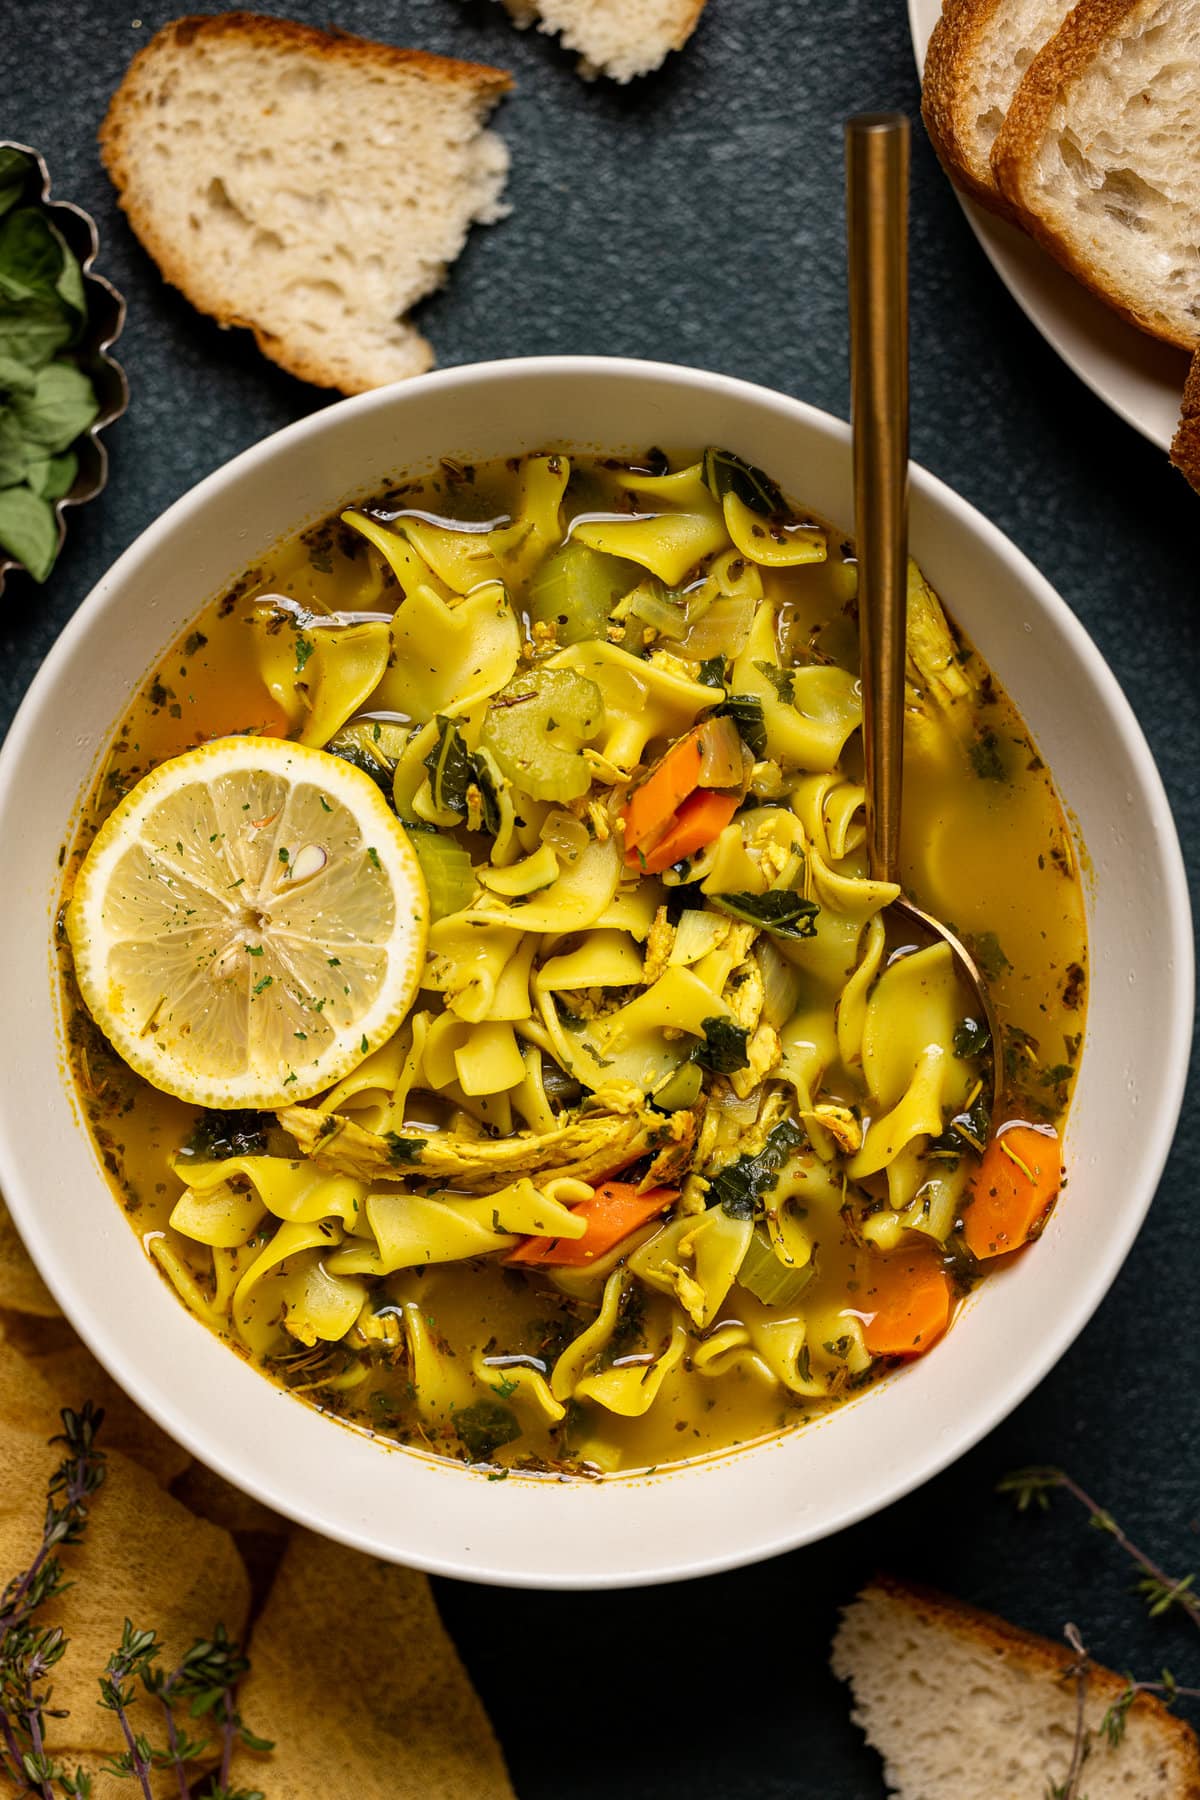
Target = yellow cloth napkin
(352,1672)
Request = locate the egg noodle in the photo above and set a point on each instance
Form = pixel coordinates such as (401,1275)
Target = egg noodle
(679,1141)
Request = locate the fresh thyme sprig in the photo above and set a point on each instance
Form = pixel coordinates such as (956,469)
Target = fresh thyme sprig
(29,1652)
(205,1682)
(1078,1671)
(1113,1723)
(1033,1487)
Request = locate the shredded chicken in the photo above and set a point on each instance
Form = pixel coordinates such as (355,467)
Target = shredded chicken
(659,945)
(764,1051)
(744,994)
(933,663)
(594,1144)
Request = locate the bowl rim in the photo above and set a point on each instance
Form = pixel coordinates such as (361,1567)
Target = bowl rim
(87,1317)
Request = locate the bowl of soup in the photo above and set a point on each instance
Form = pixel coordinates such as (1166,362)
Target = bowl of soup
(463,1080)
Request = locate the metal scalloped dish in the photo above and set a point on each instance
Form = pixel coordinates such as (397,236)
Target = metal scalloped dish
(105,318)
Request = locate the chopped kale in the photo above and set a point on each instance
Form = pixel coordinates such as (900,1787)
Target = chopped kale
(219,1135)
(988,952)
(712,672)
(973,1126)
(782,680)
(451,768)
(484,1427)
(724,1047)
(725,473)
(984,752)
(687,896)
(380,772)
(462,783)
(746,711)
(971,1038)
(489,792)
(780,910)
(740,1187)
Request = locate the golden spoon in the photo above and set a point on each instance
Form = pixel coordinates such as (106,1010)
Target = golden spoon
(877,150)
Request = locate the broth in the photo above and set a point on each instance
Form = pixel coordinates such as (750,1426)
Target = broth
(460,1356)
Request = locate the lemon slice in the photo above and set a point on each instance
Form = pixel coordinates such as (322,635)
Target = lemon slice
(249,923)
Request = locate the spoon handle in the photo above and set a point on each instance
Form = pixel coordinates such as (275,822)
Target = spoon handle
(877,150)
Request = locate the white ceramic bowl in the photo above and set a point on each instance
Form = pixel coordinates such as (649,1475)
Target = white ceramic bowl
(685,1520)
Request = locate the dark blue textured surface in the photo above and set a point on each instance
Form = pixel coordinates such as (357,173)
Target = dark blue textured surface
(697,218)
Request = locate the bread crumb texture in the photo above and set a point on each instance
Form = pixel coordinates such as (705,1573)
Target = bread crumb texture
(962,1706)
(1099,155)
(307,184)
(977,57)
(618,38)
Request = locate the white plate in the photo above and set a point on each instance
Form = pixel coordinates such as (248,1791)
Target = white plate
(1140,378)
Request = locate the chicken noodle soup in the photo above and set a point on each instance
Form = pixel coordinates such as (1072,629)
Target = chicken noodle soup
(681,1141)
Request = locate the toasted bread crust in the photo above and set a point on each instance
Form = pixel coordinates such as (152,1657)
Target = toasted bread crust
(1038,1655)
(258,33)
(951,51)
(1185,445)
(1059,64)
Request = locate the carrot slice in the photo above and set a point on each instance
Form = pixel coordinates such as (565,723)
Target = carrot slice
(701,818)
(653,805)
(906,1303)
(1013,1191)
(614,1210)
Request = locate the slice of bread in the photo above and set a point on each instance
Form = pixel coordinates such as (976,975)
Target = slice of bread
(618,38)
(977,56)
(962,1706)
(307,184)
(1100,156)
(1185,445)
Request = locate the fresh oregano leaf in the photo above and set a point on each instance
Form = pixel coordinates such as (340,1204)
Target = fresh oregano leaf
(14,457)
(32,328)
(16,377)
(28,530)
(69,285)
(14,176)
(53,476)
(61,407)
(31,255)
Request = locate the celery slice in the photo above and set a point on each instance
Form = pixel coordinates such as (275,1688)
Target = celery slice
(447,871)
(769,1279)
(575,588)
(534,729)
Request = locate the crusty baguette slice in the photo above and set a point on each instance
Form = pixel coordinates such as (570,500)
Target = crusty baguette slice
(1100,156)
(977,55)
(618,38)
(308,184)
(1185,445)
(962,1706)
